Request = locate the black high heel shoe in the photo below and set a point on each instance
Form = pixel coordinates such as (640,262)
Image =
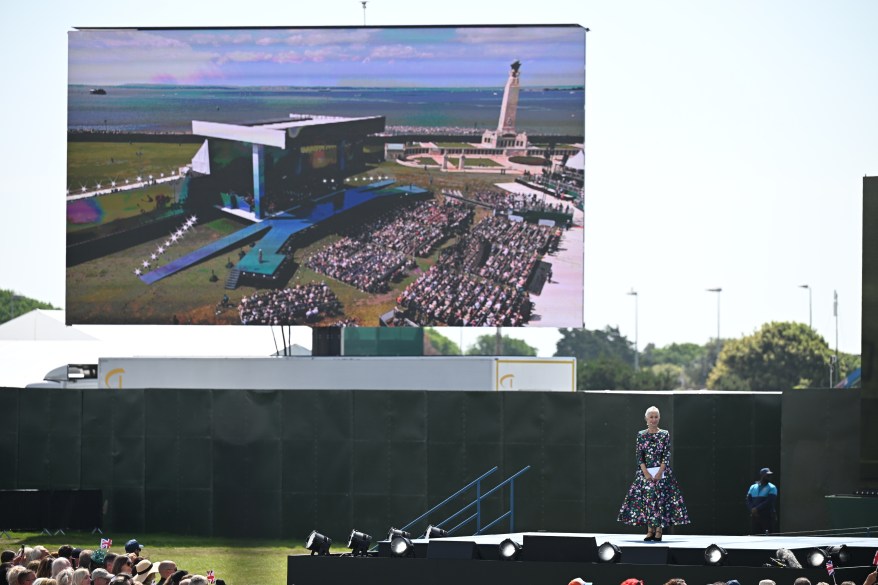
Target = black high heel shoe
(650,535)
(658,536)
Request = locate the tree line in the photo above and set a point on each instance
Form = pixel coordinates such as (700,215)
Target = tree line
(14,305)
(777,356)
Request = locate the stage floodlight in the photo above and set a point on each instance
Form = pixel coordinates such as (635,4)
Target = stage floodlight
(401,546)
(435,532)
(317,543)
(609,553)
(816,557)
(359,543)
(509,550)
(397,532)
(715,555)
(840,554)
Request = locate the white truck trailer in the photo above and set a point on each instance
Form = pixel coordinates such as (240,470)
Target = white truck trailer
(354,373)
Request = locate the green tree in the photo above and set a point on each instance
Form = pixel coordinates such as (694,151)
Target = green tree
(487,345)
(609,373)
(14,305)
(678,354)
(695,361)
(779,356)
(603,373)
(697,372)
(659,377)
(437,344)
(586,345)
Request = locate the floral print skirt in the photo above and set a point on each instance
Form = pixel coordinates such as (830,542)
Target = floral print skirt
(654,504)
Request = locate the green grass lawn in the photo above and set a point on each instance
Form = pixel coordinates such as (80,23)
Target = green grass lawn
(474,162)
(427,160)
(237,561)
(453,144)
(105,290)
(124,204)
(89,163)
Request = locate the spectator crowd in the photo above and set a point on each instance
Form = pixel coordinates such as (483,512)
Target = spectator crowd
(381,250)
(73,566)
(301,304)
(482,280)
(513,203)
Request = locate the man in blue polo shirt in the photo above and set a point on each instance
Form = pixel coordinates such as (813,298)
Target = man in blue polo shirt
(761,500)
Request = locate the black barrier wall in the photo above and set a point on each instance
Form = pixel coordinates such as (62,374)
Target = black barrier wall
(282,463)
(869,351)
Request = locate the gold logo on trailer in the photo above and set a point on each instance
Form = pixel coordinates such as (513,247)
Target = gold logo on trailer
(503,381)
(114,374)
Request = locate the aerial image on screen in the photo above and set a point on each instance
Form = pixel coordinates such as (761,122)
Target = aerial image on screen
(402,176)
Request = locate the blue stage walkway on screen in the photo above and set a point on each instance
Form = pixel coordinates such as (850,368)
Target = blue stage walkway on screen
(271,234)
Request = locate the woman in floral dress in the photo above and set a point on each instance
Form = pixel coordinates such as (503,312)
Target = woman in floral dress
(654,499)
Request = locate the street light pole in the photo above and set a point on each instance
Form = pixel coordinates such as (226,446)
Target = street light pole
(809,303)
(835,313)
(717,290)
(363,2)
(633,293)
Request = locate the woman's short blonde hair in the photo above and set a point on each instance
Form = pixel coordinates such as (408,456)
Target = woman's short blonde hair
(651,409)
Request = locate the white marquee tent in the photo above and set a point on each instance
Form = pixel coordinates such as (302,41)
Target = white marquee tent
(35,343)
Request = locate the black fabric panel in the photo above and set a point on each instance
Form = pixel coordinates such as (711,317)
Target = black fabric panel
(408,473)
(372,513)
(195,412)
(128,462)
(63,471)
(163,461)
(483,417)
(334,468)
(694,459)
(245,417)
(254,465)
(194,512)
(126,509)
(371,415)
(247,513)
(283,463)
(195,463)
(407,416)
(820,438)
(447,416)
(299,466)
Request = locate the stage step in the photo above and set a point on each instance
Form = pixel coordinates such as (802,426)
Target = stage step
(232,280)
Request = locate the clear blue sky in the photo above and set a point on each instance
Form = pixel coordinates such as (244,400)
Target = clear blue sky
(726,145)
(368,57)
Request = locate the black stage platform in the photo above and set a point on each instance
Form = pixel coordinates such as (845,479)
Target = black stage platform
(557,558)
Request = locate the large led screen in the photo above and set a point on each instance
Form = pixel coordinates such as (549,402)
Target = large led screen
(403,176)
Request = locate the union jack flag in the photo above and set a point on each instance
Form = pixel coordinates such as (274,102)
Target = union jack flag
(210,577)
(829,568)
(875,560)
(106,543)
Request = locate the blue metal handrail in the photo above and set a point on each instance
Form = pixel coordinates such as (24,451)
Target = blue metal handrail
(477,516)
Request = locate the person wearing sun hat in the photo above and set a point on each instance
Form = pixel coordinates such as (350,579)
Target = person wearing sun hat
(145,571)
(101,577)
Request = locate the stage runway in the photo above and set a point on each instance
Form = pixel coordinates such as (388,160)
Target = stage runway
(557,558)
(700,541)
